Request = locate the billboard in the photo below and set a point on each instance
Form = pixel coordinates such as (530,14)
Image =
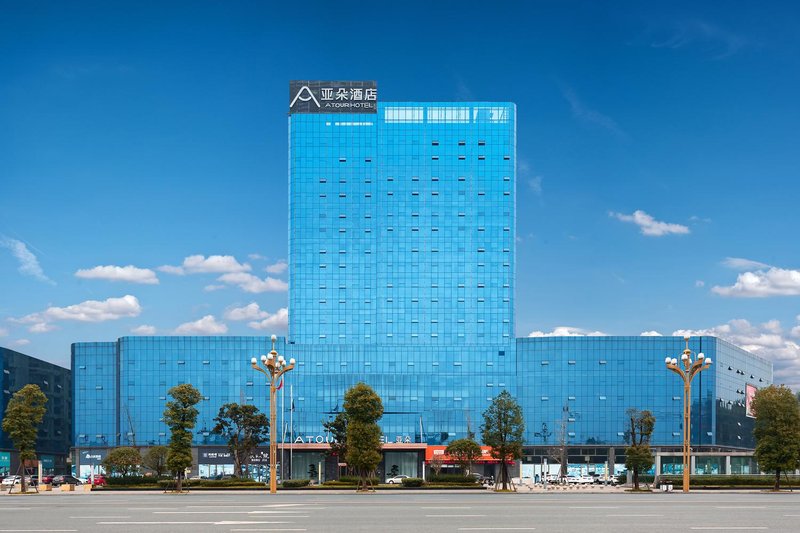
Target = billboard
(749,394)
(333,97)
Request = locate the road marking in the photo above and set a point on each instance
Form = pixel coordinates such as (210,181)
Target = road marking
(445,507)
(286,529)
(38,530)
(593,507)
(740,507)
(636,515)
(220,523)
(496,528)
(453,515)
(727,528)
(99,517)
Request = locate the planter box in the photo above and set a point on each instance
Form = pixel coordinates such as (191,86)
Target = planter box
(87,487)
(46,487)
(66,487)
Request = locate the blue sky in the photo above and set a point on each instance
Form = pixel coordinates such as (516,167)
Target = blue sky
(657,146)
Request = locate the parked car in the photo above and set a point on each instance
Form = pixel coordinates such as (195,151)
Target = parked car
(66,479)
(14,480)
(479,478)
(580,480)
(99,480)
(396,479)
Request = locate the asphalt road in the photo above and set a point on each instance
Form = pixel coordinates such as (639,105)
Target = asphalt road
(400,511)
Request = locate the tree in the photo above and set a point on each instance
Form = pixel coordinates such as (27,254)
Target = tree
(464,452)
(502,429)
(244,427)
(363,409)
(123,461)
(436,463)
(638,456)
(337,431)
(156,459)
(181,416)
(24,412)
(777,430)
(394,471)
(312,472)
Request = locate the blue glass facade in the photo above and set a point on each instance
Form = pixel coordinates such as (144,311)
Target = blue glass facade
(402,269)
(55,436)
(402,226)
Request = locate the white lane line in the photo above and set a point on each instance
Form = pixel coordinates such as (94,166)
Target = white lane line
(274,529)
(592,507)
(453,515)
(636,515)
(496,528)
(740,507)
(730,528)
(287,514)
(98,517)
(38,530)
(181,523)
(445,507)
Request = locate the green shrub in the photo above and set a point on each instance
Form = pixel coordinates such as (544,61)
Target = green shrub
(353,480)
(212,483)
(128,481)
(337,483)
(295,483)
(731,481)
(413,482)
(453,478)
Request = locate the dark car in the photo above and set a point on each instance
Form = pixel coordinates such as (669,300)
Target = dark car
(67,479)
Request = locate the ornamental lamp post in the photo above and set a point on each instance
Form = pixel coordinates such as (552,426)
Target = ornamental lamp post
(687,373)
(273,366)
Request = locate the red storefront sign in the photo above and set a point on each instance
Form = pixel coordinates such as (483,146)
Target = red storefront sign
(438,451)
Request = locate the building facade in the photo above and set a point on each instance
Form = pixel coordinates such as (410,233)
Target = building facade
(401,275)
(55,432)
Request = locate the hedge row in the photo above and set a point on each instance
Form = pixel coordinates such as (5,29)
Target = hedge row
(452,478)
(212,483)
(413,482)
(295,483)
(130,481)
(731,481)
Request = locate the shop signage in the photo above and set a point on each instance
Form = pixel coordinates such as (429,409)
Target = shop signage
(439,452)
(333,97)
(327,439)
(92,457)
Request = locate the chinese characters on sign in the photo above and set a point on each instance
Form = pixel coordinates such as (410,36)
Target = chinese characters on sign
(333,97)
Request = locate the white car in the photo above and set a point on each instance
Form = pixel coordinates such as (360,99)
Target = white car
(14,480)
(580,480)
(396,479)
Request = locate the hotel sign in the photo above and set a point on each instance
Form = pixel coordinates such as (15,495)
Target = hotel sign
(332,97)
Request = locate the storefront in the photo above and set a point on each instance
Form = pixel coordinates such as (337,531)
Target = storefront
(437,459)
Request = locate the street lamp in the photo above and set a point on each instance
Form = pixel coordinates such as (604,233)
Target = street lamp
(273,366)
(687,373)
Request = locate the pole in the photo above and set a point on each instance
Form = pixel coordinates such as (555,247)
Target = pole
(687,421)
(273,484)
(291,430)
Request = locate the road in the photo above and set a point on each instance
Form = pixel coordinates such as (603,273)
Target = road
(400,511)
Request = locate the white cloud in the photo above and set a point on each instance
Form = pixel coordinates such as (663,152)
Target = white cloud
(88,311)
(763,283)
(213,264)
(3,332)
(144,329)
(28,263)
(212,288)
(535,185)
(256,257)
(651,333)
(42,327)
(250,311)
(739,263)
(21,342)
(567,331)
(207,325)
(650,226)
(169,269)
(277,321)
(765,340)
(128,273)
(278,267)
(250,283)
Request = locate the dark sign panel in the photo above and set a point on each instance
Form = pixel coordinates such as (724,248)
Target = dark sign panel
(92,457)
(333,97)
